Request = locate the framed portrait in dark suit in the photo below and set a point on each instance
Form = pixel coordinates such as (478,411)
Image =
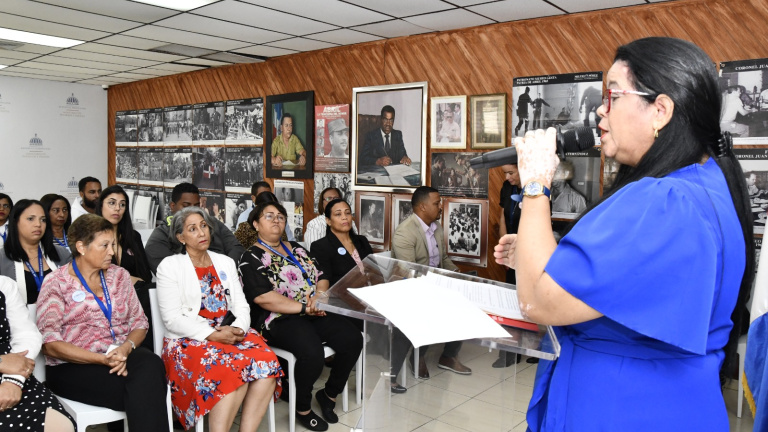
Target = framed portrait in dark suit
(289,119)
(389,139)
(372,218)
(465,229)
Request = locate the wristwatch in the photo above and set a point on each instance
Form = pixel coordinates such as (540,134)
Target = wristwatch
(534,189)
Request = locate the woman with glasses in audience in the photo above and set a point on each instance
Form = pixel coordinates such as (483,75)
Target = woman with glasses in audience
(29,253)
(93,326)
(59,216)
(113,205)
(6,204)
(245,234)
(215,362)
(283,281)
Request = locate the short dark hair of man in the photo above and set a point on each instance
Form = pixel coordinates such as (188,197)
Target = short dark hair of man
(85,180)
(421,194)
(388,109)
(286,115)
(259,184)
(182,188)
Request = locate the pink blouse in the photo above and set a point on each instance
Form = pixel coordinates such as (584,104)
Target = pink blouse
(61,318)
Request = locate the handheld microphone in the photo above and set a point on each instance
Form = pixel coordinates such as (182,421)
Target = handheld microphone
(575,140)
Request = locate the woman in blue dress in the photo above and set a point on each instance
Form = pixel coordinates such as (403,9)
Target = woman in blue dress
(646,287)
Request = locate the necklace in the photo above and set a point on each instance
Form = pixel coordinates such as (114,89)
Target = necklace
(201,262)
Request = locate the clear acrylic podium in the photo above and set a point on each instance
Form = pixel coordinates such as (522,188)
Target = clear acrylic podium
(482,401)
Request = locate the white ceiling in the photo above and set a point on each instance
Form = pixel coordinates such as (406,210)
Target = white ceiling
(120,34)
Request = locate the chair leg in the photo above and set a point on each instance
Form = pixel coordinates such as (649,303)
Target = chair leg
(271,411)
(359,380)
(125,424)
(291,395)
(345,398)
(740,388)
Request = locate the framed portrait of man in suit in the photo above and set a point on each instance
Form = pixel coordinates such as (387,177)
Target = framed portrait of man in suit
(389,139)
(465,229)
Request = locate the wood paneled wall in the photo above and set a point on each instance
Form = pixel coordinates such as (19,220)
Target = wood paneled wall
(471,61)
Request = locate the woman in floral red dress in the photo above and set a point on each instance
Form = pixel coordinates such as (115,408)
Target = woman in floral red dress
(215,363)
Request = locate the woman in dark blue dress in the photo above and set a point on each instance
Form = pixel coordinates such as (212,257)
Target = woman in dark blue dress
(647,285)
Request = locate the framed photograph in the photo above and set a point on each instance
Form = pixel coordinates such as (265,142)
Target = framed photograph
(452,175)
(208,123)
(291,196)
(332,138)
(401,209)
(372,218)
(754,163)
(449,122)
(744,86)
(389,143)
(576,184)
(288,136)
(177,125)
(339,181)
(244,122)
(489,120)
(465,227)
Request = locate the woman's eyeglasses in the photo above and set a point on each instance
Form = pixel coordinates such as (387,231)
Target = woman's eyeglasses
(114,204)
(330,198)
(269,217)
(611,92)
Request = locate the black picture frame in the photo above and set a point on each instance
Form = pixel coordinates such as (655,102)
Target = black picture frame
(301,106)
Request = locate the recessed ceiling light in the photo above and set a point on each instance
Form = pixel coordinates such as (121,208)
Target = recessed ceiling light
(180,5)
(3,66)
(37,39)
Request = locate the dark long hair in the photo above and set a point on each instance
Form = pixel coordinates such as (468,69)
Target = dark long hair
(48,199)
(682,71)
(125,233)
(12,247)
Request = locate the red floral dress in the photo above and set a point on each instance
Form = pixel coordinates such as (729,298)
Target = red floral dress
(203,372)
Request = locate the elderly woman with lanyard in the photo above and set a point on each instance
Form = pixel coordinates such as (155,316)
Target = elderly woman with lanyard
(29,254)
(282,280)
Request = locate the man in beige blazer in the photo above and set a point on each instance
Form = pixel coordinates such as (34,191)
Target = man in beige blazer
(419,239)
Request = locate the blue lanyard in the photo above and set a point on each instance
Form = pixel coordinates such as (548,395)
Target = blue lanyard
(40,274)
(107,309)
(290,258)
(517,198)
(4,235)
(66,243)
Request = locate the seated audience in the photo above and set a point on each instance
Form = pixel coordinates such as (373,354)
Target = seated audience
(257,189)
(29,254)
(59,217)
(6,205)
(282,280)
(92,326)
(90,189)
(245,232)
(159,244)
(25,403)
(202,348)
(317,227)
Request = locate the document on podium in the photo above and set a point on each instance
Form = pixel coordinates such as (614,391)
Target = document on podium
(428,314)
(490,298)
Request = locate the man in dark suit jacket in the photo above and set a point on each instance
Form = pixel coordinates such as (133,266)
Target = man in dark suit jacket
(411,243)
(384,146)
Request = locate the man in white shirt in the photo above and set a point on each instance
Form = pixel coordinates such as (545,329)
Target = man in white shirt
(256,189)
(90,189)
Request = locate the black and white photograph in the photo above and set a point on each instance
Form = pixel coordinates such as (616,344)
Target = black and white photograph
(389,139)
(177,165)
(372,218)
(489,121)
(449,122)
(452,175)
(758,248)
(166,204)
(401,209)
(209,123)
(754,163)
(208,163)
(244,121)
(213,203)
(343,182)
(236,204)
(566,101)
(126,160)
(465,227)
(288,135)
(151,166)
(150,126)
(126,130)
(177,124)
(243,167)
(291,196)
(744,86)
(576,183)
(610,170)
(156,195)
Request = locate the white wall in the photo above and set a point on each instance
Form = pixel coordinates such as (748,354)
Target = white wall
(73,134)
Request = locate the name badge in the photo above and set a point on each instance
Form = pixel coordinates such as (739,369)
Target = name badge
(342,251)
(78,296)
(223,275)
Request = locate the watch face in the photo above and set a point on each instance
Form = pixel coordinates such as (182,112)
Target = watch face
(533,188)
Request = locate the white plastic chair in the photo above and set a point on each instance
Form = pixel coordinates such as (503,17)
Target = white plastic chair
(85,415)
(742,350)
(158,332)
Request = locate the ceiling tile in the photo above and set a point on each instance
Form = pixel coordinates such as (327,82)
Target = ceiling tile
(131,75)
(99,81)
(513,10)
(37,49)
(5,61)
(50,59)
(20,55)
(56,14)
(43,72)
(32,76)
(186,38)
(301,44)
(65,68)
(392,29)
(329,11)
(215,27)
(265,51)
(573,6)
(156,72)
(248,14)
(132,42)
(129,10)
(105,58)
(463,3)
(403,8)
(204,62)
(449,20)
(47,28)
(126,52)
(177,67)
(344,37)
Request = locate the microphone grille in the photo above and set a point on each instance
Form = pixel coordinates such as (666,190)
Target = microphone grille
(578,139)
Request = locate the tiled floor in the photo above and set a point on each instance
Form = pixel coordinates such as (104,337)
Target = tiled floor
(452,403)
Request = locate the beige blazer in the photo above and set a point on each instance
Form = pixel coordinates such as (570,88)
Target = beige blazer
(410,244)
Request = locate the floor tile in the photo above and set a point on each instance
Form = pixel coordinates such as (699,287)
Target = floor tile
(429,400)
(438,426)
(479,416)
(508,395)
(467,385)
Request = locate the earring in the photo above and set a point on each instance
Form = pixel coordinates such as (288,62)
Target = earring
(655,133)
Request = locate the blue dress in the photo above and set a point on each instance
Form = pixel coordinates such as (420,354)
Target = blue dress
(662,260)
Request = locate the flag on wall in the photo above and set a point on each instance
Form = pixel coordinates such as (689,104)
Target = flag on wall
(755,379)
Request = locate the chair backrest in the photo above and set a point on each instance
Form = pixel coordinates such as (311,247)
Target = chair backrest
(158,328)
(40,359)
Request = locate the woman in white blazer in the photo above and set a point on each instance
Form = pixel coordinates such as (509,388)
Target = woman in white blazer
(214,361)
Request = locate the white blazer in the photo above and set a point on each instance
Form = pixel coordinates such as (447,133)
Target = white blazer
(178,295)
(24,333)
